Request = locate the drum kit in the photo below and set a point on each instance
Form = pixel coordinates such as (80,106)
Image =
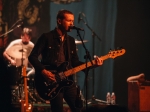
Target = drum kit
(20,55)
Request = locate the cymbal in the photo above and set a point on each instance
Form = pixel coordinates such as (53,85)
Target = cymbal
(80,42)
(18,52)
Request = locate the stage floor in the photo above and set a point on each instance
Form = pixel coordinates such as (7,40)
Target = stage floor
(93,107)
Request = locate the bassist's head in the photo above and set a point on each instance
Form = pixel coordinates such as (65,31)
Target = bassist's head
(65,19)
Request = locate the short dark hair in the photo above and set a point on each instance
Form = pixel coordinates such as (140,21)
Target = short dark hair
(62,12)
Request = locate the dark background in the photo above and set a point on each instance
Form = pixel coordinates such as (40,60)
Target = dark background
(133,34)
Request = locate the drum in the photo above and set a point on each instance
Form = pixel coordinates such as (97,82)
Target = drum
(33,95)
(30,77)
(15,94)
(20,62)
(14,74)
(17,85)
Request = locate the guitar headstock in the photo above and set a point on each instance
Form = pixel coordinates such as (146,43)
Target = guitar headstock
(115,53)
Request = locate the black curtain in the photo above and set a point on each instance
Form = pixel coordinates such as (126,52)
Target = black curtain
(133,33)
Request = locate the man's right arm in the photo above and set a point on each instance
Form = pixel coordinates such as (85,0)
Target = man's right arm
(8,58)
(34,59)
(49,76)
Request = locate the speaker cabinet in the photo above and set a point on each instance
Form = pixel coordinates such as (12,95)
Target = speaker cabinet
(138,96)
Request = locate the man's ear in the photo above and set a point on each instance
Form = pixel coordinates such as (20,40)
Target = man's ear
(59,21)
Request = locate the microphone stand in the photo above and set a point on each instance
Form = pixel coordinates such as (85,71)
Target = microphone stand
(86,57)
(93,100)
(10,31)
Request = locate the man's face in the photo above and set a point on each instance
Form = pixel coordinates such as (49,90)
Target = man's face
(67,22)
(25,38)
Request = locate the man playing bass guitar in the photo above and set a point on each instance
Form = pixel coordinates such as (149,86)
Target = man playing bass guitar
(58,52)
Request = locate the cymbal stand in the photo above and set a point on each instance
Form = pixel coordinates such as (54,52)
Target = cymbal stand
(93,99)
(75,80)
(21,90)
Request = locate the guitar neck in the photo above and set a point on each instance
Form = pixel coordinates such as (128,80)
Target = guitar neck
(83,66)
(111,54)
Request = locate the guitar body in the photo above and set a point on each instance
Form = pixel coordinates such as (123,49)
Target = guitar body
(49,90)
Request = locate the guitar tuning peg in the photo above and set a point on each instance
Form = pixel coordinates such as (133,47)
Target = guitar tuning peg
(121,47)
(118,48)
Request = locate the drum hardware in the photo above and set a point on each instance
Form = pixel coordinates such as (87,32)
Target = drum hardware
(15,94)
(18,93)
(32,98)
(75,80)
(18,52)
(21,55)
(75,76)
(80,42)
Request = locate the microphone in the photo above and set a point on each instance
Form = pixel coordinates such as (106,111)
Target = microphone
(20,25)
(76,28)
(79,18)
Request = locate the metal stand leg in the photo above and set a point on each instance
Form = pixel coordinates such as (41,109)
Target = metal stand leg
(75,79)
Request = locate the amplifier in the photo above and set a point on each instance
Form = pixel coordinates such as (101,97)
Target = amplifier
(139,96)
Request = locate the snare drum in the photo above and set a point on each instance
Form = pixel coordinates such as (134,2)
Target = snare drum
(14,74)
(20,62)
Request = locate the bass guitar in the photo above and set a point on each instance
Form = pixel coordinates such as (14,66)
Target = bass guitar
(49,90)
